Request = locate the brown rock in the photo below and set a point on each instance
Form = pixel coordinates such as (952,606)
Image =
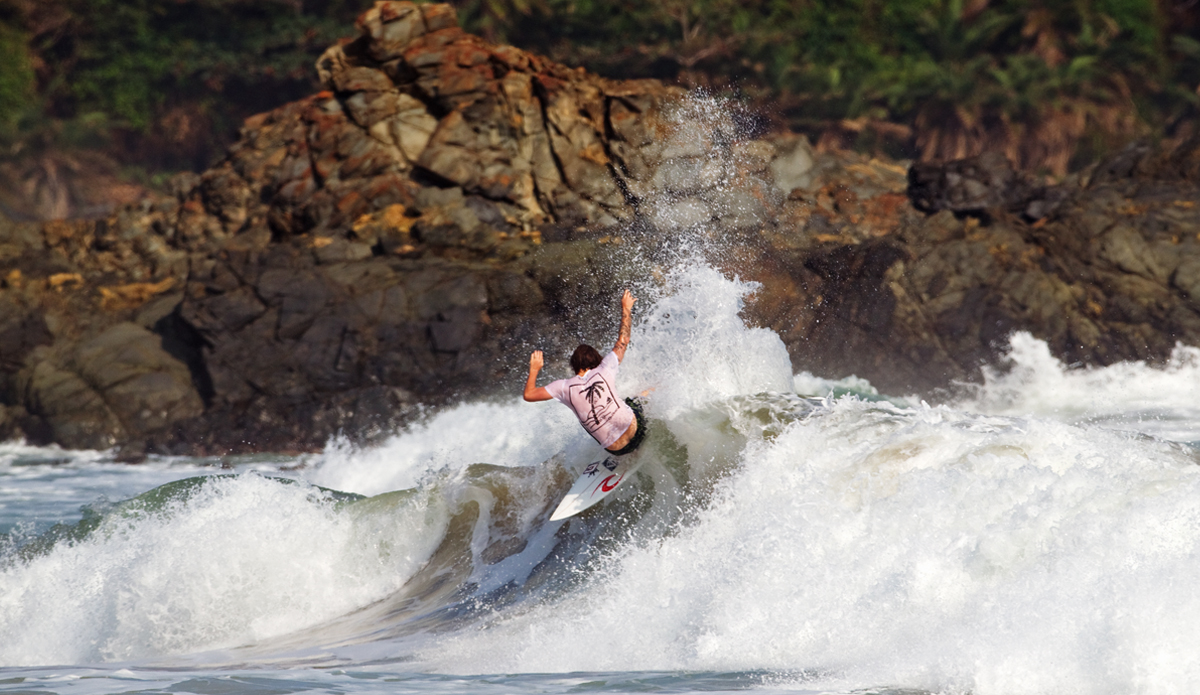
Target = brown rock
(449,203)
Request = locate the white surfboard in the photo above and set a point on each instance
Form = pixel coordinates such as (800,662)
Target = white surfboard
(598,480)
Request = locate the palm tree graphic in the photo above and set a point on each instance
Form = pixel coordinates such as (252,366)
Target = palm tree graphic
(598,398)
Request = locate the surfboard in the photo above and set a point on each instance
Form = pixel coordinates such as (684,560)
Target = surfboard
(596,482)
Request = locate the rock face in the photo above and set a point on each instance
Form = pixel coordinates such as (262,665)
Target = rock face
(980,184)
(1109,275)
(405,237)
(377,245)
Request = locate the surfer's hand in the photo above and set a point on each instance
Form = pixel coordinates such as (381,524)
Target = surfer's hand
(627,301)
(534,393)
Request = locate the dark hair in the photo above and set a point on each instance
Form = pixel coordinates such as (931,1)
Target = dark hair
(585,357)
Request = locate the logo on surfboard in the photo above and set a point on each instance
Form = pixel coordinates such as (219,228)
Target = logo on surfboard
(595,483)
(594,467)
(606,486)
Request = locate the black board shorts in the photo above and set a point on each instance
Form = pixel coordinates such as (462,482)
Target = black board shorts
(635,404)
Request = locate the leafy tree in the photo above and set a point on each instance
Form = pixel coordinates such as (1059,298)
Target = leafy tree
(1034,78)
(130,58)
(16,73)
(164,82)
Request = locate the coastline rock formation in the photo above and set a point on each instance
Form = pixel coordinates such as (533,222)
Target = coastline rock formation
(1106,275)
(405,237)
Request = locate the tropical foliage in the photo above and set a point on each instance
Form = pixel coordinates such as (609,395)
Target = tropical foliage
(163,84)
(1042,80)
(171,78)
(16,74)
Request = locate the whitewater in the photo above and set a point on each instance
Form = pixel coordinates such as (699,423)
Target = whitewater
(1035,532)
(787,533)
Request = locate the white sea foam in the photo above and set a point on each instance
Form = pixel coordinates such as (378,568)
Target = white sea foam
(249,558)
(926,547)
(511,433)
(1162,400)
(808,384)
(689,348)
(956,547)
(692,347)
(1014,541)
(19,453)
(245,558)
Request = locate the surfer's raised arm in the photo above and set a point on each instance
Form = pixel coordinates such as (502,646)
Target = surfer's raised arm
(533,392)
(627,301)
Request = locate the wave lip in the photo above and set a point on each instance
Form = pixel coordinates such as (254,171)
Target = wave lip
(201,563)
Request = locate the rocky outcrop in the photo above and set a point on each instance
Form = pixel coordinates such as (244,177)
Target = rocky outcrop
(405,237)
(979,184)
(1108,275)
(389,242)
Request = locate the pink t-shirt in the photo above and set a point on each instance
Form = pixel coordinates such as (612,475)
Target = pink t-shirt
(593,399)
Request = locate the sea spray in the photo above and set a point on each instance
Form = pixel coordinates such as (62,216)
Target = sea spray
(874,544)
(689,348)
(692,348)
(1009,542)
(1028,380)
(506,432)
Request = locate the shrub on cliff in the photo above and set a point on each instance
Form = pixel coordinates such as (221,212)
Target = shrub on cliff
(1041,80)
(16,75)
(96,93)
(172,79)
(1051,83)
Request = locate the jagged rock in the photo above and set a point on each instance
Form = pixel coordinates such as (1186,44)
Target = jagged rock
(793,168)
(978,184)
(974,184)
(76,416)
(10,423)
(1187,279)
(448,204)
(145,387)
(1109,276)
(113,388)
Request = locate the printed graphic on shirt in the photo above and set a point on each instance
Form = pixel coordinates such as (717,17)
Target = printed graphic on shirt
(601,404)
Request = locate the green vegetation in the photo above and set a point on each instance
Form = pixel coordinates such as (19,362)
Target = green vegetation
(16,75)
(1039,79)
(132,58)
(163,84)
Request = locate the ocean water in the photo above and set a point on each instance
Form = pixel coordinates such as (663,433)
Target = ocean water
(786,533)
(1037,533)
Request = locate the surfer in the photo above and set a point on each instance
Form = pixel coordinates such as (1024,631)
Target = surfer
(617,425)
